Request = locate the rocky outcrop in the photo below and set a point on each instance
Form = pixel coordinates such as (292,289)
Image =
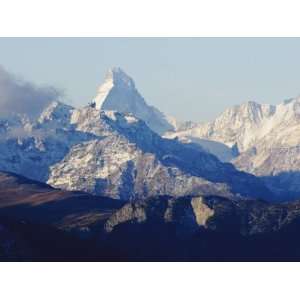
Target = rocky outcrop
(208,212)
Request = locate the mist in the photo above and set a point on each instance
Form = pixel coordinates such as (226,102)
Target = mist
(20,96)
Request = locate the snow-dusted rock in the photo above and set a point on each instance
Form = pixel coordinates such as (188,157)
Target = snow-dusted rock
(276,154)
(240,125)
(118,92)
(30,149)
(127,160)
(116,154)
(266,137)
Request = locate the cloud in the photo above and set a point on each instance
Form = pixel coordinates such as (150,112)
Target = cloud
(19,96)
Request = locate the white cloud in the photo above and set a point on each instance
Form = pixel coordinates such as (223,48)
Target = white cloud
(19,96)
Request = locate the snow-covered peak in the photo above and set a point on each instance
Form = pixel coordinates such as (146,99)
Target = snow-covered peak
(115,77)
(119,77)
(118,93)
(249,112)
(244,125)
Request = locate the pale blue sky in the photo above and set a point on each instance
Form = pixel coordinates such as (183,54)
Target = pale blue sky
(190,78)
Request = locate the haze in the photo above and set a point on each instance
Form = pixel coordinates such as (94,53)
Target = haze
(189,78)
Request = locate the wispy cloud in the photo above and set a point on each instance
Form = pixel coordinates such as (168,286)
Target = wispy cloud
(20,96)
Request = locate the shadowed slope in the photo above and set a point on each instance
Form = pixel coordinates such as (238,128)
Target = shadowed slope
(33,201)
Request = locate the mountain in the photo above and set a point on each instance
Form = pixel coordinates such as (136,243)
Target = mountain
(276,154)
(207,212)
(118,92)
(116,155)
(239,126)
(36,202)
(266,140)
(40,223)
(127,160)
(234,131)
(205,228)
(30,148)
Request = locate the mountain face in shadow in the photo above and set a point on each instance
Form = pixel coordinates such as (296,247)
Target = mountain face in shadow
(29,200)
(113,148)
(39,223)
(206,228)
(115,155)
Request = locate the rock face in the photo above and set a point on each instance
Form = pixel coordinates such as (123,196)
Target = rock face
(239,126)
(187,214)
(126,160)
(116,155)
(30,148)
(205,228)
(40,223)
(266,140)
(118,92)
(276,155)
(208,212)
(234,131)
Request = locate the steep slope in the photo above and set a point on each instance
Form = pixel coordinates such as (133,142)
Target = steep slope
(126,160)
(239,126)
(207,212)
(276,158)
(39,203)
(40,223)
(118,92)
(245,125)
(266,137)
(276,154)
(116,155)
(205,228)
(30,149)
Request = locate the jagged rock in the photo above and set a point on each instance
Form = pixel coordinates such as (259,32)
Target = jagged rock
(118,92)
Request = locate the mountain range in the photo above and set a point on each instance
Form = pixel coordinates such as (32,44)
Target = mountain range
(121,147)
(38,223)
(263,138)
(260,139)
(116,154)
(117,179)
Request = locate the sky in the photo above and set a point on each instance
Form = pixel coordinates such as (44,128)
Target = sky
(189,78)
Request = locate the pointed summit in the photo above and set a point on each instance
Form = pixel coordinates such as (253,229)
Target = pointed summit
(118,92)
(118,77)
(114,78)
